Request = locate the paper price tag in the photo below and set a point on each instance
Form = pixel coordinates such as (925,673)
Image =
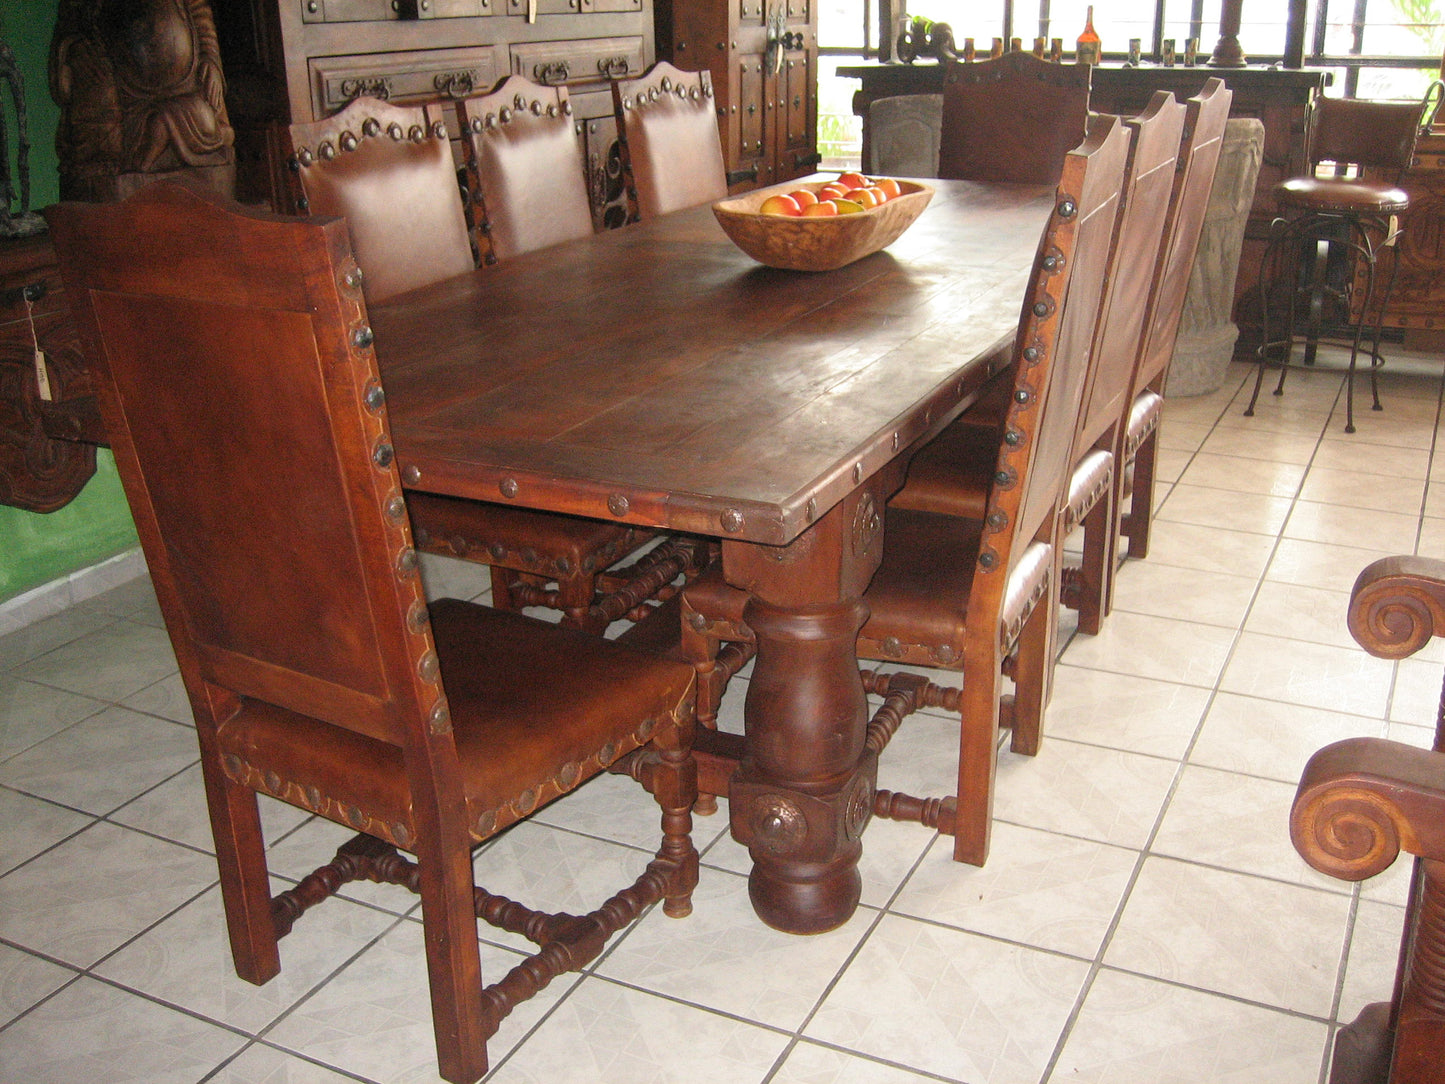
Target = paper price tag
(42,370)
(42,375)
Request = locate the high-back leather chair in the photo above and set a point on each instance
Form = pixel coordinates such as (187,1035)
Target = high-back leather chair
(1011,118)
(977,594)
(1206,115)
(242,399)
(529,186)
(1361,802)
(388,171)
(1098,455)
(671,149)
(950,477)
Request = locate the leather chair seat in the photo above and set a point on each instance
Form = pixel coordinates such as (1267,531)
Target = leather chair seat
(929,557)
(1092,476)
(1145,414)
(1342,196)
(534,733)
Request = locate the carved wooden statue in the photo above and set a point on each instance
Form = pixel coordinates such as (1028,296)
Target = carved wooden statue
(15,221)
(141,94)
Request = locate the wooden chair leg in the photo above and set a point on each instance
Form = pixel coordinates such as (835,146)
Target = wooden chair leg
(1139,520)
(1096,573)
(1033,674)
(241,858)
(502,581)
(453,957)
(675,789)
(977,758)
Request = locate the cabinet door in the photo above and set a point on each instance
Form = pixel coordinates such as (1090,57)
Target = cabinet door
(752,112)
(795,113)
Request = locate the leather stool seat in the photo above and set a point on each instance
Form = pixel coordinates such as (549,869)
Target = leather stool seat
(1328,195)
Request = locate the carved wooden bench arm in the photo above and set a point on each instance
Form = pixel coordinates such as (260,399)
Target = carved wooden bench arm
(1363,800)
(1398,603)
(1360,802)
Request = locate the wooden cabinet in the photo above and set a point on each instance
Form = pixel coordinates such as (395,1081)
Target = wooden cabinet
(289,61)
(1418,301)
(37,473)
(763,56)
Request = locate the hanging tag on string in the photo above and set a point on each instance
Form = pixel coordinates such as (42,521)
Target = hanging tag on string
(42,369)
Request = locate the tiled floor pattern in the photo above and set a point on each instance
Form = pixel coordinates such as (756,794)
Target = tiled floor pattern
(1143,918)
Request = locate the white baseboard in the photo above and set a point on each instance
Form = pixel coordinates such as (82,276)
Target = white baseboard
(51,598)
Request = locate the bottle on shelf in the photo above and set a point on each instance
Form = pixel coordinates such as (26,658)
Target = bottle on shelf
(1090,49)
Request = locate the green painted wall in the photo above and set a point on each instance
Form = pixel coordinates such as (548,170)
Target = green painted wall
(35,549)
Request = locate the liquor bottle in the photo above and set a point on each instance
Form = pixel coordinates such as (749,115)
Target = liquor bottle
(1090,48)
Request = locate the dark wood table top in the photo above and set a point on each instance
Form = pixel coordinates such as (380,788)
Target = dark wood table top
(657,375)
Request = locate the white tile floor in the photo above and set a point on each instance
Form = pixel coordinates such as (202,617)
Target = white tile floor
(1143,918)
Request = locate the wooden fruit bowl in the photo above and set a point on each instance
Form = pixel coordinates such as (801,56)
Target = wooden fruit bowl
(817,244)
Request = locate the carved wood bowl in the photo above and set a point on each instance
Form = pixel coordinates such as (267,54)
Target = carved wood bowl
(817,244)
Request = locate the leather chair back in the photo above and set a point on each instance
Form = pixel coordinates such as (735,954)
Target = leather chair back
(671,148)
(1092,182)
(525,162)
(1011,118)
(1148,188)
(270,369)
(1363,133)
(1205,116)
(389,172)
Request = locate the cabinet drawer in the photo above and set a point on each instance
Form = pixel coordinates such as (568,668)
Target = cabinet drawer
(588,60)
(348,11)
(402,78)
(572,7)
(365,11)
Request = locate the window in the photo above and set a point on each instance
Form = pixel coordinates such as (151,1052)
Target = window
(1376,48)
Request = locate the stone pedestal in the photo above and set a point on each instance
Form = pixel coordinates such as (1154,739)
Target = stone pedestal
(1206,331)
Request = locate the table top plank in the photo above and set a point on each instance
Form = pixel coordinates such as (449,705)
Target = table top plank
(661,366)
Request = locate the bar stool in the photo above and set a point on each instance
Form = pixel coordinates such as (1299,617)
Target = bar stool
(1333,232)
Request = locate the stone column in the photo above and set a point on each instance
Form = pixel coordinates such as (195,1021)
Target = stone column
(1206,330)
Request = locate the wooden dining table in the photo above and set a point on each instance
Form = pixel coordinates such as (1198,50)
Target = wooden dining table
(656,375)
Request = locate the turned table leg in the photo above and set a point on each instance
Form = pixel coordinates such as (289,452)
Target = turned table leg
(804,790)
